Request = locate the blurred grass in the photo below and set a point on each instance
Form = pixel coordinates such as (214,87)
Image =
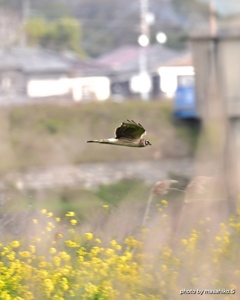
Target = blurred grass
(85,203)
(125,190)
(48,135)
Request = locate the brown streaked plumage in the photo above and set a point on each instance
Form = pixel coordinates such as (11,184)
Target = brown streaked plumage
(128,134)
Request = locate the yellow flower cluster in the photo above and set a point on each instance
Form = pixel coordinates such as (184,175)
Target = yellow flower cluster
(83,267)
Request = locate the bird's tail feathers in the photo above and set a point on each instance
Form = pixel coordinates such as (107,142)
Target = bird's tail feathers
(93,141)
(104,141)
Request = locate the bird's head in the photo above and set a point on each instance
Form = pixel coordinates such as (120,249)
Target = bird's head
(147,143)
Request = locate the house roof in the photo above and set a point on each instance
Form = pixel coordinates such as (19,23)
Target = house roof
(183,60)
(127,58)
(39,60)
(32,60)
(119,57)
(89,68)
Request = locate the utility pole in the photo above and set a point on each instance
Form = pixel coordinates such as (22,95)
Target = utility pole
(144,35)
(25,16)
(212,18)
(144,24)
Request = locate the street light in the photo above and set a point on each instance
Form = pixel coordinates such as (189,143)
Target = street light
(143,40)
(161,37)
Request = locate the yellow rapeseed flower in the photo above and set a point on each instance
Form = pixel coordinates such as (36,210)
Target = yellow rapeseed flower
(25,254)
(5,295)
(44,211)
(64,284)
(11,256)
(131,241)
(15,244)
(145,230)
(59,235)
(82,251)
(184,241)
(164,268)
(89,235)
(37,240)
(109,252)
(50,224)
(32,248)
(52,250)
(118,247)
(64,256)
(42,264)
(70,214)
(49,286)
(113,243)
(73,221)
(71,244)
(49,214)
(57,261)
(164,202)
(56,297)
(35,221)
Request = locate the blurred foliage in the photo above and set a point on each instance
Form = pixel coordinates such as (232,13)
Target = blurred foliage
(51,125)
(109,24)
(84,202)
(189,130)
(123,190)
(177,40)
(60,35)
(192,8)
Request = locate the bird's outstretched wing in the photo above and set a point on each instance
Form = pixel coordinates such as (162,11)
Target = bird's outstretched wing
(130,129)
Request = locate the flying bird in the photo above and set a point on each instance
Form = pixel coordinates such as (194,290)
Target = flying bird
(129,134)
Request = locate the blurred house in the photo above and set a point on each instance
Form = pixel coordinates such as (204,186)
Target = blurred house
(175,72)
(89,81)
(163,65)
(40,73)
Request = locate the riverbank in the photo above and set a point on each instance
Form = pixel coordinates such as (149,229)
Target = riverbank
(92,175)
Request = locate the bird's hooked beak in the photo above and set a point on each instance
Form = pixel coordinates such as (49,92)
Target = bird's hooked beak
(148,143)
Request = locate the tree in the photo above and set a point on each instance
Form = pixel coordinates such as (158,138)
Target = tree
(60,35)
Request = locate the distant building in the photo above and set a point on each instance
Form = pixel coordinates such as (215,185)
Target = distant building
(39,73)
(176,71)
(123,64)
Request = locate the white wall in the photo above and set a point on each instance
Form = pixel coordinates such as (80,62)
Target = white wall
(169,76)
(81,88)
(48,87)
(90,88)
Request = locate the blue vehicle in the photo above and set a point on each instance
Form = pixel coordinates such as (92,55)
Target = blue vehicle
(185,99)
